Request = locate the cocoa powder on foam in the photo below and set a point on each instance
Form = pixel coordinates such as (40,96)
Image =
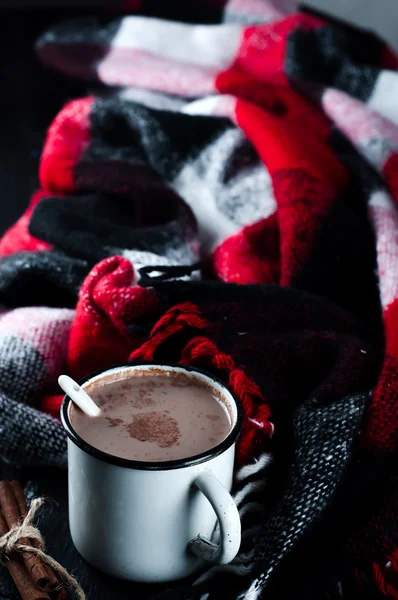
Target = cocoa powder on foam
(155,427)
(162,424)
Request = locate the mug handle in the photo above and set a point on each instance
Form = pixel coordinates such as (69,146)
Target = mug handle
(228,518)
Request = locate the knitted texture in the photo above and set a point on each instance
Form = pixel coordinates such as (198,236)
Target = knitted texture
(33,345)
(323,441)
(229,202)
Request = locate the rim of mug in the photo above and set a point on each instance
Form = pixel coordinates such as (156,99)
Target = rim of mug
(159,465)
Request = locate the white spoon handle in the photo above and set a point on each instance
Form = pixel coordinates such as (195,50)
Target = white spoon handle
(79,396)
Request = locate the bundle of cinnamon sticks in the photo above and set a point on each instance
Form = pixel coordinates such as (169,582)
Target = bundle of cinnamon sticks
(34,580)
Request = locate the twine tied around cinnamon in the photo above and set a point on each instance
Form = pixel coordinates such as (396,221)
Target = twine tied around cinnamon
(9,543)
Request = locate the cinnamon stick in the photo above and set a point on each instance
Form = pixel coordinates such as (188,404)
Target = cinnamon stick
(11,513)
(20,574)
(41,574)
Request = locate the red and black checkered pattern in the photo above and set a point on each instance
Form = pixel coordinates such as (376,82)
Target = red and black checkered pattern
(228,199)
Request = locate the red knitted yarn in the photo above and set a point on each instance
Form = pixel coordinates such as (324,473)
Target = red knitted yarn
(148,349)
(201,348)
(389,590)
(108,302)
(256,421)
(17,238)
(174,320)
(201,351)
(67,138)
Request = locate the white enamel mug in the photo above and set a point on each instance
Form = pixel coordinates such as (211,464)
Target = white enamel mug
(152,522)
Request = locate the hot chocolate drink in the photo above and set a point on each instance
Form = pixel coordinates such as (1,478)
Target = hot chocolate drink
(152,417)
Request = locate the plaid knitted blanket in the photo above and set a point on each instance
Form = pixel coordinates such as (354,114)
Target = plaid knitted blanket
(227,197)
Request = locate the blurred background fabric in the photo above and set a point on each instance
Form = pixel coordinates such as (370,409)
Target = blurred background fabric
(30,98)
(31,95)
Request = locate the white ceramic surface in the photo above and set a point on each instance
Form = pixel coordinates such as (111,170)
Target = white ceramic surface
(79,396)
(146,522)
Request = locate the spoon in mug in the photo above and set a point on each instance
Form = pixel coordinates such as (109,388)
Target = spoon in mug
(78,396)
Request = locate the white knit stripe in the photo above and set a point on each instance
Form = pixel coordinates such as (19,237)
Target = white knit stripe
(255,187)
(248,470)
(213,226)
(384,216)
(265,12)
(251,507)
(384,98)
(46,329)
(241,570)
(213,46)
(151,99)
(375,136)
(220,106)
(253,486)
(252,593)
(125,68)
